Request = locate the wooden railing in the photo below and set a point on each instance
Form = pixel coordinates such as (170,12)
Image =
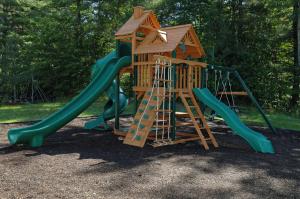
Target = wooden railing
(188,73)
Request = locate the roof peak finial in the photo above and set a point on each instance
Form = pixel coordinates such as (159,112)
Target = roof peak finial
(138,11)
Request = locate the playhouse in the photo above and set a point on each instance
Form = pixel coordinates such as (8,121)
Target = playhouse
(159,88)
(169,90)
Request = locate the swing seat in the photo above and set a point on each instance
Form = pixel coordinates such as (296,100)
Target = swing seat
(240,93)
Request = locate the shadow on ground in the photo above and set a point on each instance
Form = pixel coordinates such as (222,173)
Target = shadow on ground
(233,170)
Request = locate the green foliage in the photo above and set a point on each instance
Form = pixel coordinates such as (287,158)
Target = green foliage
(252,36)
(56,41)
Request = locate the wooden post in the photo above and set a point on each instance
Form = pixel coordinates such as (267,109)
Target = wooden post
(173,105)
(135,73)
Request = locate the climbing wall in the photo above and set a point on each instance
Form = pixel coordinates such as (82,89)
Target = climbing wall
(144,118)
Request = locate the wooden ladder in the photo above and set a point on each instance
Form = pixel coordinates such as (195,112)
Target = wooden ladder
(197,114)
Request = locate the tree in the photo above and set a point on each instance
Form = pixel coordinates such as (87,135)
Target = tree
(296,67)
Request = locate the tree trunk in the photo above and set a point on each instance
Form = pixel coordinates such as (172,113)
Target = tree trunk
(78,25)
(296,67)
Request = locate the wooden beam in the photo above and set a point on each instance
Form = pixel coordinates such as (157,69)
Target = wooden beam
(124,37)
(241,93)
(148,27)
(181,61)
(184,134)
(143,89)
(144,63)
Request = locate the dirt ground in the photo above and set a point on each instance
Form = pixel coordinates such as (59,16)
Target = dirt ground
(76,163)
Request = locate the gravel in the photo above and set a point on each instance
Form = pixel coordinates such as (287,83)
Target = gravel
(76,163)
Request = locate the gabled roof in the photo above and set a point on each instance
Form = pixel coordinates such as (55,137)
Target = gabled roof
(134,23)
(155,37)
(175,35)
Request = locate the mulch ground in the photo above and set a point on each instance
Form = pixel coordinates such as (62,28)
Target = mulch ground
(76,163)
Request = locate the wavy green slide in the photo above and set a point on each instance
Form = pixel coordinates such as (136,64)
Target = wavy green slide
(109,109)
(34,135)
(256,140)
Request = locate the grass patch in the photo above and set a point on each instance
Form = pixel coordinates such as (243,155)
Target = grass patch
(32,112)
(251,116)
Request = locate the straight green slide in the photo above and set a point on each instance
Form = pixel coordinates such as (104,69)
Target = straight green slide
(34,135)
(256,140)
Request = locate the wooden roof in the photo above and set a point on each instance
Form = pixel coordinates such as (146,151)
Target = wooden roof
(134,23)
(174,36)
(155,37)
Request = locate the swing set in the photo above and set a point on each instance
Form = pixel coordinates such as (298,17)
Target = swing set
(222,88)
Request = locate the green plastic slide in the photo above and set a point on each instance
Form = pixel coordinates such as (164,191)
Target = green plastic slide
(256,140)
(34,135)
(109,109)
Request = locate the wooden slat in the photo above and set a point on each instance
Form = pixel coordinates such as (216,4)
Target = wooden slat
(190,78)
(181,61)
(186,134)
(187,140)
(184,78)
(143,63)
(233,93)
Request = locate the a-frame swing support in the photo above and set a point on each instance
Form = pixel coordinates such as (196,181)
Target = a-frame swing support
(245,87)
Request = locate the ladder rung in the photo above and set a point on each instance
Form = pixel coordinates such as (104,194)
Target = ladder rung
(161,120)
(164,80)
(161,110)
(161,126)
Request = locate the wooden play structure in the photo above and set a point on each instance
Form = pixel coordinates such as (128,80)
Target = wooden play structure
(170,86)
(164,76)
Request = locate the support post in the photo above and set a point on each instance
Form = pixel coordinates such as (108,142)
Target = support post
(117,102)
(254,101)
(204,71)
(135,74)
(173,105)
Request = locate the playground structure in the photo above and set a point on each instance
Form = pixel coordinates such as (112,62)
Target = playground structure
(165,76)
